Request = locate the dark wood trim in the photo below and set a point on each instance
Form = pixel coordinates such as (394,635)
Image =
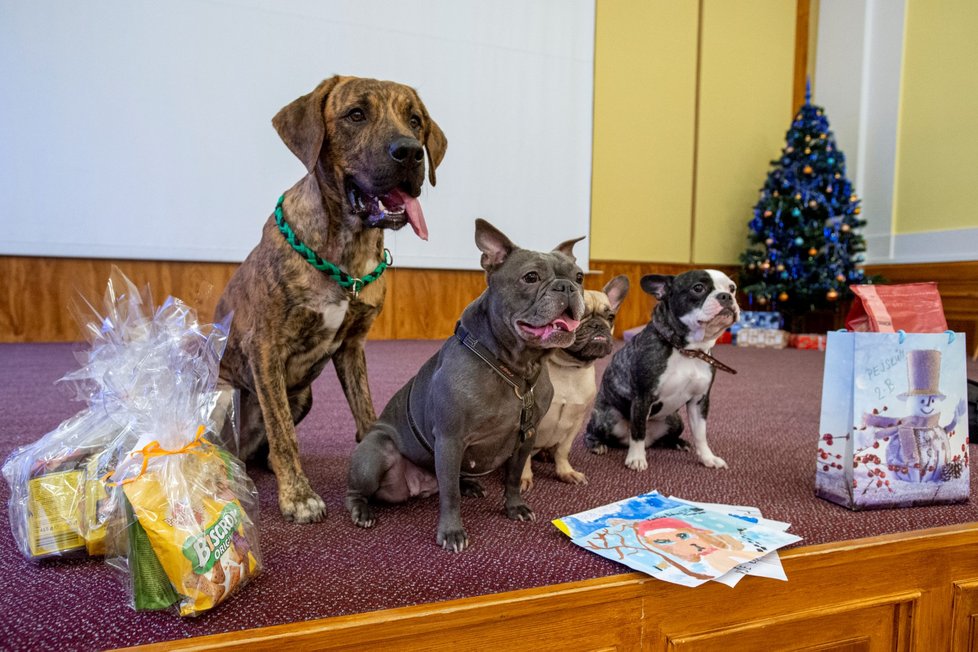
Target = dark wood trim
(803,18)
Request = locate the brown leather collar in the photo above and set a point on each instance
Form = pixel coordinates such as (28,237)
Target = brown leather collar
(675,343)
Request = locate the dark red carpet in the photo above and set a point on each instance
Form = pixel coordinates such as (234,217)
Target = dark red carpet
(764,422)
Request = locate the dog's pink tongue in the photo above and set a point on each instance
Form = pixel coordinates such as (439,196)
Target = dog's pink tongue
(568,323)
(415,215)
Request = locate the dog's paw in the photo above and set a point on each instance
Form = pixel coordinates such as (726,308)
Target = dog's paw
(471,488)
(637,462)
(302,507)
(672,443)
(573,477)
(454,539)
(599,449)
(711,461)
(362,515)
(526,484)
(520,512)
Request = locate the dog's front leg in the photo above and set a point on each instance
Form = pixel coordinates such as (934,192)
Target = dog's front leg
(350,362)
(697,410)
(296,498)
(635,459)
(516,507)
(449,449)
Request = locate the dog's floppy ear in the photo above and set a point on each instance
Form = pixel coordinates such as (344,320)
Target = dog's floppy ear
(493,244)
(300,123)
(616,289)
(435,144)
(657,284)
(567,247)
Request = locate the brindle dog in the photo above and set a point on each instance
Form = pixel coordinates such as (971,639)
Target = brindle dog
(362,142)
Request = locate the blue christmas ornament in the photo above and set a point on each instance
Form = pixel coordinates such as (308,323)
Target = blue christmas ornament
(795,212)
(799,241)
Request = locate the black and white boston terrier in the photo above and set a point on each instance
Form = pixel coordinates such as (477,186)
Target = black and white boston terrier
(664,367)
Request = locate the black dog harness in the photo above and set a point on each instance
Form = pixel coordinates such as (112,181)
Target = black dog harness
(675,343)
(523,389)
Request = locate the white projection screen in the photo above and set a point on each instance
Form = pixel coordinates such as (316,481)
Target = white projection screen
(142,129)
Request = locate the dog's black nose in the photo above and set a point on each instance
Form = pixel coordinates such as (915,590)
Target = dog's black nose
(560,285)
(724,298)
(406,150)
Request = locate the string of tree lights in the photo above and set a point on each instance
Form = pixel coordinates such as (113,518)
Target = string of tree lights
(804,243)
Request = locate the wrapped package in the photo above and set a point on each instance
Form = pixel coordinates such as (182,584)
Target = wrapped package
(141,475)
(58,502)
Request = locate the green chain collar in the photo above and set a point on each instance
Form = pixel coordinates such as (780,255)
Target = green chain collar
(353,284)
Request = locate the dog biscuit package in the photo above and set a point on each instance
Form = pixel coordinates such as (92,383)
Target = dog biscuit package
(198,530)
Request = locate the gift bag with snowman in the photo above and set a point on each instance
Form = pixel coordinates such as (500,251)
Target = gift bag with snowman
(894,430)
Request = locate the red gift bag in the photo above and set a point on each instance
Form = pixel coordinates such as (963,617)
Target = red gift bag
(911,307)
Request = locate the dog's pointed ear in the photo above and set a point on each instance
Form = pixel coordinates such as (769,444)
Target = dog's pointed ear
(617,290)
(300,123)
(567,247)
(435,143)
(656,284)
(493,244)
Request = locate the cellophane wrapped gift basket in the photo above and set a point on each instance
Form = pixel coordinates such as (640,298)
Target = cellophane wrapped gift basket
(139,475)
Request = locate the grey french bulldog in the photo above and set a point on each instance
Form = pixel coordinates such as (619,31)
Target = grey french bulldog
(474,405)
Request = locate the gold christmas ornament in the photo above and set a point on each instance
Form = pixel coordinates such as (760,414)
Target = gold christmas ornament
(831,295)
(807,169)
(762,301)
(828,190)
(845,228)
(841,278)
(798,196)
(780,267)
(808,150)
(765,265)
(813,251)
(769,241)
(858,210)
(767,213)
(822,136)
(812,203)
(783,297)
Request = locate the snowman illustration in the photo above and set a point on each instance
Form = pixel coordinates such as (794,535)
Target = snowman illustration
(919,449)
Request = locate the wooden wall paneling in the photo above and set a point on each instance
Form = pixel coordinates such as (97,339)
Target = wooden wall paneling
(426,303)
(35,292)
(421,303)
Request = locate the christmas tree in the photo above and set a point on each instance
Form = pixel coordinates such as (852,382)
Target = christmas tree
(805,247)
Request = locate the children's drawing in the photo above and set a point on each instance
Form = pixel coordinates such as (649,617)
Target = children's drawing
(685,545)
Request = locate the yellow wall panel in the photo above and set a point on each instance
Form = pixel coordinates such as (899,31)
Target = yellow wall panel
(746,73)
(644,108)
(937,141)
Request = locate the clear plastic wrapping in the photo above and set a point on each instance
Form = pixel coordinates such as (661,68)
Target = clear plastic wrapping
(140,475)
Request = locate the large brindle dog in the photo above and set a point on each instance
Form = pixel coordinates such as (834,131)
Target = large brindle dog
(362,142)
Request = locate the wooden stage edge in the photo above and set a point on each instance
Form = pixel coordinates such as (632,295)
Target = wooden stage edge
(913,590)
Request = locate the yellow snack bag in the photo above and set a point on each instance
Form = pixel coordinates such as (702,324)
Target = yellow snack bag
(54,513)
(203,537)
